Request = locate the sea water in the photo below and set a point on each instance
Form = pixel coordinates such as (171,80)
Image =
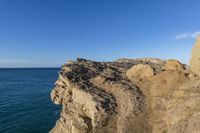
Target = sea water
(25,103)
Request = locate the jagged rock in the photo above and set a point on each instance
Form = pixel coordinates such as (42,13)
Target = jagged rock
(127,96)
(195,60)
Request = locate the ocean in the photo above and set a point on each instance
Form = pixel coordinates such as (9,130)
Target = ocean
(25,103)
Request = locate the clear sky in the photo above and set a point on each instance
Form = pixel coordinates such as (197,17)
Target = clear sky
(47,33)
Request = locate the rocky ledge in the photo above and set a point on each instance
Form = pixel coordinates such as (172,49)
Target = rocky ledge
(129,96)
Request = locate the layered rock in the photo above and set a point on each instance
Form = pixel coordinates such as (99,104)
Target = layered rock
(127,96)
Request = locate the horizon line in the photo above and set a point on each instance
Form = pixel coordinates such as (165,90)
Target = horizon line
(26,67)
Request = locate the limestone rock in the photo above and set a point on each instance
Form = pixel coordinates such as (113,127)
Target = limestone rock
(97,97)
(195,59)
(193,124)
(173,65)
(140,71)
(128,96)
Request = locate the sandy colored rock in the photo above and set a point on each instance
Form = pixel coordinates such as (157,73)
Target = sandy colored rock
(173,65)
(97,97)
(140,71)
(195,59)
(128,96)
(193,124)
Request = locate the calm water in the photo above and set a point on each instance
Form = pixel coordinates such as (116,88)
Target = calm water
(25,104)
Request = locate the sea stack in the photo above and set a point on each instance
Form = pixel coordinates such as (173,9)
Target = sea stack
(195,59)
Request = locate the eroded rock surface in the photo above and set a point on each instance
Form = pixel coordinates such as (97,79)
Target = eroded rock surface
(128,96)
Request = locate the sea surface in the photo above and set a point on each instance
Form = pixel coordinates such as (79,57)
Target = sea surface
(25,103)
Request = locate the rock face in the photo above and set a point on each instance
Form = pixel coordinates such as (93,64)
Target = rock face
(195,60)
(128,96)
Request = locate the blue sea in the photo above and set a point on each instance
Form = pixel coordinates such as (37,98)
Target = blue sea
(25,103)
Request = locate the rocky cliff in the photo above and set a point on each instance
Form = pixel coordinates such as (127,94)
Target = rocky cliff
(129,96)
(195,60)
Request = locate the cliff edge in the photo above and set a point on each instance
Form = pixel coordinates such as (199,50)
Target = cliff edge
(129,96)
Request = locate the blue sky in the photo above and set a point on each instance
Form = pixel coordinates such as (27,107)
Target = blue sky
(47,33)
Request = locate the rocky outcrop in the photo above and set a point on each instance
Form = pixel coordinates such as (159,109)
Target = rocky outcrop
(195,60)
(173,65)
(127,96)
(140,71)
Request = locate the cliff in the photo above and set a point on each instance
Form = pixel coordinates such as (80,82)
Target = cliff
(129,96)
(195,60)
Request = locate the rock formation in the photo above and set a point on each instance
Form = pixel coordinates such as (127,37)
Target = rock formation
(128,96)
(195,60)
